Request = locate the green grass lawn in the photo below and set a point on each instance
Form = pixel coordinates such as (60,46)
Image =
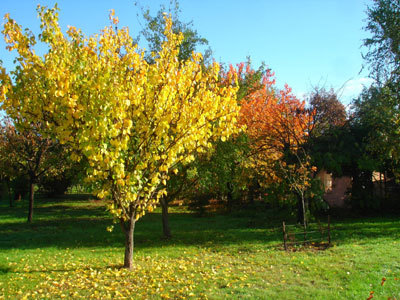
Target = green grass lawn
(67,253)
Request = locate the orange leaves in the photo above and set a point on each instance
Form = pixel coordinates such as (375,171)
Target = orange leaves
(113,18)
(379,291)
(371,295)
(276,121)
(383,281)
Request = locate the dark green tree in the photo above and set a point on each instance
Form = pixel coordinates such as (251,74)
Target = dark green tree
(378,107)
(153,32)
(383,55)
(71,173)
(369,140)
(377,110)
(344,151)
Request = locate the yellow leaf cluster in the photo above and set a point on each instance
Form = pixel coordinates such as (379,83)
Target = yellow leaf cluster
(132,120)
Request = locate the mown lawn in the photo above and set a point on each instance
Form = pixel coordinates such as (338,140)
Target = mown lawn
(67,253)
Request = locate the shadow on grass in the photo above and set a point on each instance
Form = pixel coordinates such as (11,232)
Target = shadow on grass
(62,224)
(4,270)
(365,230)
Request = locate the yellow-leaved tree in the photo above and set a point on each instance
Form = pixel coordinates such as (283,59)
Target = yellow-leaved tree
(133,121)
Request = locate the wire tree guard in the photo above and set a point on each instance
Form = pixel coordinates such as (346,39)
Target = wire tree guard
(315,234)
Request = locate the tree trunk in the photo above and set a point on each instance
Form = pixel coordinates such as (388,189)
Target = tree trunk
(10,196)
(129,228)
(18,197)
(300,215)
(301,210)
(165,218)
(31,197)
(384,186)
(252,192)
(304,212)
(229,195)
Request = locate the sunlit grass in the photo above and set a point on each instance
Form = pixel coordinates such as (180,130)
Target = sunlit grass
(67,253)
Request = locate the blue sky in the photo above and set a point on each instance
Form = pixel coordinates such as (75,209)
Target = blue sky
(305,42)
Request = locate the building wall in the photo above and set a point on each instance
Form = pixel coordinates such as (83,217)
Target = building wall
(335,188)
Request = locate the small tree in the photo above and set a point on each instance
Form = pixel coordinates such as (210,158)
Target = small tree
(133,121)
(7,171)
(278,125)
(28,153)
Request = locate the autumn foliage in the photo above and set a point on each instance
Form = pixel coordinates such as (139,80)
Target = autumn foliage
(277,122)
(26,153)
(133,121)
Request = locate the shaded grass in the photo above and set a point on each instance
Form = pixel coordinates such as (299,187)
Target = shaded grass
(67,253)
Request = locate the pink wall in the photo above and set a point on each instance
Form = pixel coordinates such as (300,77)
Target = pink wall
(335,189)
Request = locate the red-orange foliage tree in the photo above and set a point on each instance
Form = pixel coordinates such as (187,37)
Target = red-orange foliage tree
(278,124)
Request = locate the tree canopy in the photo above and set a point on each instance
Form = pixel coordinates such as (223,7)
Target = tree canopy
(132,120)
(383,55)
